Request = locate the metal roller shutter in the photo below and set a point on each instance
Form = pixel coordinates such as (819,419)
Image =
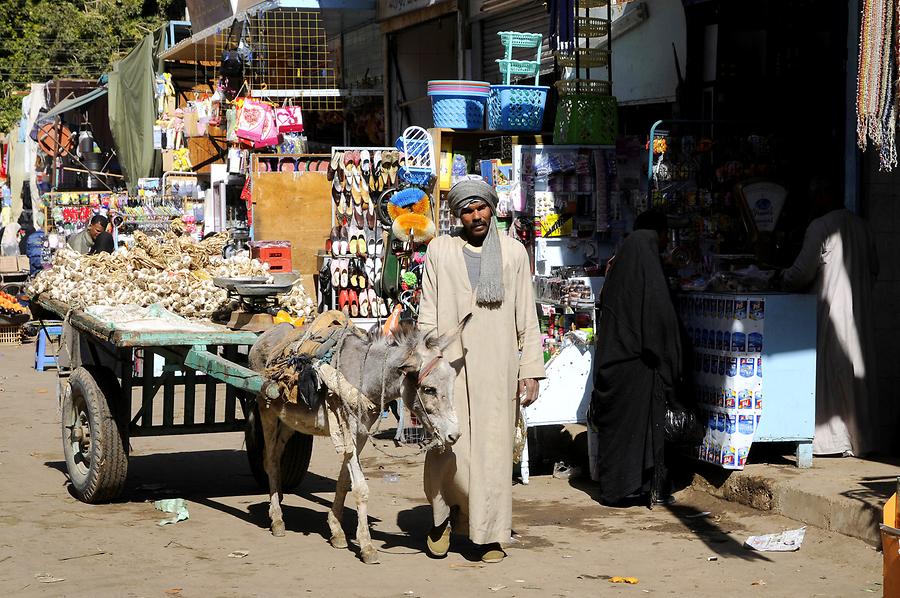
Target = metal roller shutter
(530,18)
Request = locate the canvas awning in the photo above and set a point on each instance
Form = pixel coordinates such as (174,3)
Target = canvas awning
(72,103)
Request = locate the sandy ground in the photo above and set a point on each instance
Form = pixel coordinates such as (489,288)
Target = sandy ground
(566,543)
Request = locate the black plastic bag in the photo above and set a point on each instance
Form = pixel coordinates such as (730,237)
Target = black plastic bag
(682,426)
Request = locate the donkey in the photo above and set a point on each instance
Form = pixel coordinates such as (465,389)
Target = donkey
(407,366)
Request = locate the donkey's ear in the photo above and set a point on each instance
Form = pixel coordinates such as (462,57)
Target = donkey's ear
(445,340)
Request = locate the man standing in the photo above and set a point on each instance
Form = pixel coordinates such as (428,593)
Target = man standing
(498,358)
(636,366)
(94,238)
(838,257)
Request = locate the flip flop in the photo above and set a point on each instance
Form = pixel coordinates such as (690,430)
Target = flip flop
(333,165)
(385,168)
(354,304)
(395,167)
(370,216)
(358,216)
(377,266)
(335,267)
(352,279)
(365,162)
(364,190)
(333,244)
(345,276)
(345,240)
(364,305)
(355,191)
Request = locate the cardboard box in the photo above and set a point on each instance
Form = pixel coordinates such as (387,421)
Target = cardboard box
(23,262)
(9,264)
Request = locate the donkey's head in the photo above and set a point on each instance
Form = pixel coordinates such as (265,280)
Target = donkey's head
(427,388)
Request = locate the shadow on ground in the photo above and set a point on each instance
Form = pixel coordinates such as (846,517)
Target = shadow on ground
(204,477)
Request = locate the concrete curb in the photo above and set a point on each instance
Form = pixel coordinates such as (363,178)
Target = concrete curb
(840,514)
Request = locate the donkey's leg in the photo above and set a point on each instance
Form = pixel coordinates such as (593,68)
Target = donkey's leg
(275,435)
(335,515)
(367,550)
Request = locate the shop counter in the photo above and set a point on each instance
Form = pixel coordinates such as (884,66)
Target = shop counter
(754,371)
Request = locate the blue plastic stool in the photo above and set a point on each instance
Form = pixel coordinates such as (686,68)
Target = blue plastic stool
(41,360)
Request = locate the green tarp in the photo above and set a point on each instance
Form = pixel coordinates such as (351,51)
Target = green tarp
(72,103)
(132,109)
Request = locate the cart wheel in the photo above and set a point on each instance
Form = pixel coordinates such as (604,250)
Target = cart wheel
(94,444)
(294,461)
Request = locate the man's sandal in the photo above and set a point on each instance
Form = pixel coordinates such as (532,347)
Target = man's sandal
(493,553)
(438,540)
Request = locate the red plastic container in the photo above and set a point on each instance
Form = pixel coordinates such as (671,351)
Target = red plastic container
(275,253)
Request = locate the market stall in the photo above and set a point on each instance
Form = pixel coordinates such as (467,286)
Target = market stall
(725,204)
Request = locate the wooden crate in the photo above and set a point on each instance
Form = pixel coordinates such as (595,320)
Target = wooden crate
(11,335)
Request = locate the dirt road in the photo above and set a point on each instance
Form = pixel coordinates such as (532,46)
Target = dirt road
(567,544)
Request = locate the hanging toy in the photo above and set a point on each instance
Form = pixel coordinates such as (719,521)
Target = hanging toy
(409,280)
(410,210)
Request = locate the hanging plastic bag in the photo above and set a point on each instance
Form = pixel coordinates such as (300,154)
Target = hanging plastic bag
(682,425)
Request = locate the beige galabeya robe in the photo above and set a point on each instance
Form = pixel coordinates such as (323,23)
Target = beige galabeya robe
(839,257)
(499,347)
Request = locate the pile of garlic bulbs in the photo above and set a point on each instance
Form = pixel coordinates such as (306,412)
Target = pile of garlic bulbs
(297,302)
(175,272)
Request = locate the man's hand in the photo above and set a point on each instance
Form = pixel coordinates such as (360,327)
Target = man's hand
(529,387)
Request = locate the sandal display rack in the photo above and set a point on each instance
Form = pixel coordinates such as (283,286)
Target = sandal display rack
(355,251)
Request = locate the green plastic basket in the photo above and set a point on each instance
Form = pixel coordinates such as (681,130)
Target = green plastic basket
(586,119)
(515,39)
(525,68)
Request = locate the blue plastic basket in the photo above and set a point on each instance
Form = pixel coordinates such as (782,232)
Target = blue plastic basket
(458,111)
(517,107)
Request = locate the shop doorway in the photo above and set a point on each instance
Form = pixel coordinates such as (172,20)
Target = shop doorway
(417,55)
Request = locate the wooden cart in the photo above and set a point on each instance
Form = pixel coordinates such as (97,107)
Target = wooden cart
(110,393)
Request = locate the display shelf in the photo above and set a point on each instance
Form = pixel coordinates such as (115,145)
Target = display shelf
(570,308)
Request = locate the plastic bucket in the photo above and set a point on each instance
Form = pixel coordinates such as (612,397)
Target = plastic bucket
(517,107)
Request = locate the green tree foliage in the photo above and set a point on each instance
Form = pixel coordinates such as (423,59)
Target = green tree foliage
(41,40)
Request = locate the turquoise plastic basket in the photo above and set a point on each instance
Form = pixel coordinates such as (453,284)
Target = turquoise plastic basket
(517,107)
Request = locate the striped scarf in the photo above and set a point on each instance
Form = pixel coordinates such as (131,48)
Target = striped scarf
(876,94)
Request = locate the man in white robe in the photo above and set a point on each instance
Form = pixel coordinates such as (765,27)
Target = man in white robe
(839,260)
(498,358)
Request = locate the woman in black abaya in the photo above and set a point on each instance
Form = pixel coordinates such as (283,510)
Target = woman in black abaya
(636,365)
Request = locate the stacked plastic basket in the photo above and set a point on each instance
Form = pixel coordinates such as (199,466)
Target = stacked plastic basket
(458,104)
(518,107)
